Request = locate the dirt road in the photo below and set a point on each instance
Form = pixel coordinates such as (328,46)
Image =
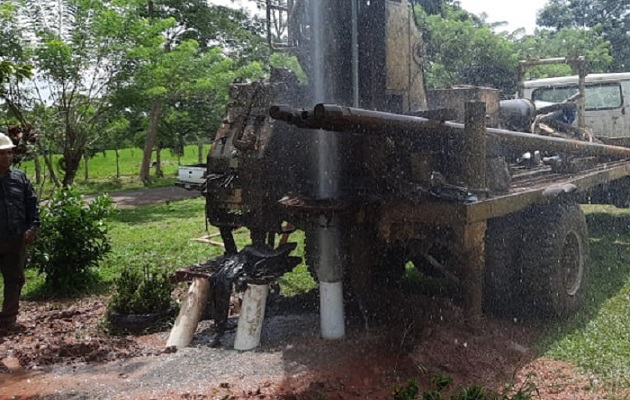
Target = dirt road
(142,197)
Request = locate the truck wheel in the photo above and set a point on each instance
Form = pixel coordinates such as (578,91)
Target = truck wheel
(500,292)
(554,258)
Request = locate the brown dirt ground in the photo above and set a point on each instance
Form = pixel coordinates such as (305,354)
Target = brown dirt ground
(68,336)
(141,197)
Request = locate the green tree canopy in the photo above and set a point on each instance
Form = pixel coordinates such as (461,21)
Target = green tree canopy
(462,49)
(611,18)
(567,42)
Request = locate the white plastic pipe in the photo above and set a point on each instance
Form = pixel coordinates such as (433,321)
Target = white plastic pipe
(189,314)
(251,317)
(331,310)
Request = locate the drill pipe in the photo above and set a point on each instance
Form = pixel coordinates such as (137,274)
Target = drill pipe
(338,118)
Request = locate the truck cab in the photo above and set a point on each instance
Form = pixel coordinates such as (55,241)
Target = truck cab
(607,109)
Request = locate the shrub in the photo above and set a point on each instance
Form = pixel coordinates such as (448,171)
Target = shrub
(143,291)
(72,239)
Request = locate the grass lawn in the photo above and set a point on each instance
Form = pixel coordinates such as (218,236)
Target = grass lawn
(163,236)
(102,177)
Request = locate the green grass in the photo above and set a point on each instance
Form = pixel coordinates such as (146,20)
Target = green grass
(102,171)
(164,236)
(158,235)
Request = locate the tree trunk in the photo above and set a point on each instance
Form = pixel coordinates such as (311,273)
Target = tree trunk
(145,167)
(72,161)
(158,162)
(38,169)
(199,152)
(48,161)
(117,163)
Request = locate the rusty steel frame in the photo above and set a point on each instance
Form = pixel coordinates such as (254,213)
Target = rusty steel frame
(467,221)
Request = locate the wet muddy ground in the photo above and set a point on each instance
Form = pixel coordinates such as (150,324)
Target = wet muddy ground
(63,353)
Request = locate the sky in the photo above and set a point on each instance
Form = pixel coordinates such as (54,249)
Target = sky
(518,14)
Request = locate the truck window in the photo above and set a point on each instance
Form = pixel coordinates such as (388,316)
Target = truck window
(598,97)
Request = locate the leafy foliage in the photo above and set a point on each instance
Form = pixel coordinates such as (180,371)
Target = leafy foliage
(567,42)
(609,17)
(462,49)
(9,70)
(72,239)
(433,7)
(79,50)
(142,291)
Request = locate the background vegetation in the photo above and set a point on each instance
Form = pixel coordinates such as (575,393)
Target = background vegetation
(155,74)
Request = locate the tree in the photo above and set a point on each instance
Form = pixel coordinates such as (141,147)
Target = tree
(567,42)
(239,34)
(462,49)
(182,66)
(13,67)
(79,50)
(433,7)
(610,17)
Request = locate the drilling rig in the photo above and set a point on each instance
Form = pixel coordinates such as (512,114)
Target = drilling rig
(267,175)
(380,174)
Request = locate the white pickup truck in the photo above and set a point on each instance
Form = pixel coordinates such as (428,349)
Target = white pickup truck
(191,176)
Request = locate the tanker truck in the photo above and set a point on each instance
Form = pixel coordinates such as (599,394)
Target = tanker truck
(382,175)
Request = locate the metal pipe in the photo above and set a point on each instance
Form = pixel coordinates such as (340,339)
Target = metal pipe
(528,141)
(330,276)
(552,61)
(347,119)
(581,102)
(578,63)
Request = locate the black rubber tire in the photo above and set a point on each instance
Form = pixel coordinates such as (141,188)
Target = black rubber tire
(554,259)
(501,278)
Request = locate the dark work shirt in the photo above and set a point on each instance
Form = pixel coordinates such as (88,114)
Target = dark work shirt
(18,205)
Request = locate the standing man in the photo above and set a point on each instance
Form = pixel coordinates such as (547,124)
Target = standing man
(19,219)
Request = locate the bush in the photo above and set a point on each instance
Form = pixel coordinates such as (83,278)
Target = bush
(72,239)
(142,292)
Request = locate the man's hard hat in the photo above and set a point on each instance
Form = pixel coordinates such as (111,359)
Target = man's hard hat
(5,142)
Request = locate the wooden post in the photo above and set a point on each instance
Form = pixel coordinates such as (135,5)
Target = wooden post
(190,314)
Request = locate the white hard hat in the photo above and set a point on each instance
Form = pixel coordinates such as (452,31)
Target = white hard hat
(5,142)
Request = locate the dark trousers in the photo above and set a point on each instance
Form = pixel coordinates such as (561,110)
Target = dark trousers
(12,261)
